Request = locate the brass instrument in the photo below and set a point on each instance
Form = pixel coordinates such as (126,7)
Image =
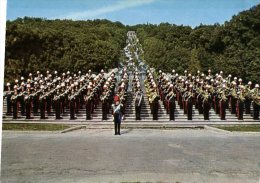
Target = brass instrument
(155,96)
(88,97)
(103,97)
(72,97)
(14,97)
(189,96)
(44,96)
(256,99)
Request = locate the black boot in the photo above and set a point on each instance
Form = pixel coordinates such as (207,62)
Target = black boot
(118,129)
(115,128)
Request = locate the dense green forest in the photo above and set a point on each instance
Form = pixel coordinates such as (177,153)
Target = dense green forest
(39,44)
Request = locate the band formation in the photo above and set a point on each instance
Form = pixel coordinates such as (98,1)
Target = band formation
(40,94)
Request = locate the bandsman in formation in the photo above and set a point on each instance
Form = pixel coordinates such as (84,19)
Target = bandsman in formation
(138,102)
(8,94)
(104,102)
(248,99)
(240,103)
(206,97)
(189,101)
(72,103)
(256,101)
(154,100)
(14,101)
(89,102)
(28,102)
(43,96)
(222,102)
(58,102)
(170,98)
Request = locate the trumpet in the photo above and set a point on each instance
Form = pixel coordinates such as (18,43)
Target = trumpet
(57,97)
(21,94)
(14,97)
(72,97)
(89,97)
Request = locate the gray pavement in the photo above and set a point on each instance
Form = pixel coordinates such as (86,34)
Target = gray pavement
(138,155)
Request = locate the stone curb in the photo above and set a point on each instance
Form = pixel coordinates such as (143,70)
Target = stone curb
(73,128)
(216,129)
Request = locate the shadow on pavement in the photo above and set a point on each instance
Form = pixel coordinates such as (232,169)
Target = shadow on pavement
(126,131)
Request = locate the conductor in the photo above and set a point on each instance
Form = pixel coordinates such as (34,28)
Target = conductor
(117,113)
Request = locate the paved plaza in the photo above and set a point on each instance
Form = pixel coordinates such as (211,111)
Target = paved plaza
(138,155)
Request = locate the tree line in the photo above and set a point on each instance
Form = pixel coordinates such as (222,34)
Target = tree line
(39,44)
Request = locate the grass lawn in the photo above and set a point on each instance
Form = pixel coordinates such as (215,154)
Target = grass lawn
(242,128)
(35,127)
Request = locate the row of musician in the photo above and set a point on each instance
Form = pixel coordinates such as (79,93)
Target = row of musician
(73,95)
(204,92)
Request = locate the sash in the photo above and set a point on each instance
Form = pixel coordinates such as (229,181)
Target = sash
(117,109)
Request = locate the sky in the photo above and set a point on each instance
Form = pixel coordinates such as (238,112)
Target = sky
(132,12)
